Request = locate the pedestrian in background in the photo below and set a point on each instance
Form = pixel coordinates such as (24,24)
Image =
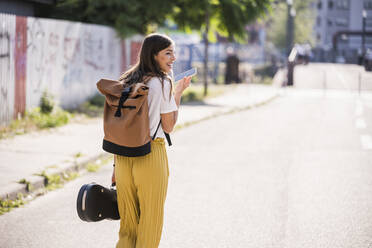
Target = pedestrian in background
(142,182)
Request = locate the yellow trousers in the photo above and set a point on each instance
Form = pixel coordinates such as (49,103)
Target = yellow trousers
(141,184)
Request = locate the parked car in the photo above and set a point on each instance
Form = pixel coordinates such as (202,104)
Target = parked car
(368,60)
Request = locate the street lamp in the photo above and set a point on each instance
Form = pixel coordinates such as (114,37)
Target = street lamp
(290,25)
(364,15)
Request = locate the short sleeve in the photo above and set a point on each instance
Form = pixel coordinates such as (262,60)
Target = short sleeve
(168,103)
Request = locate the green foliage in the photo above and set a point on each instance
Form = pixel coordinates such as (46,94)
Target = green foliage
(127,16)
(34,119)
(96,165)
(195,93)
(28,184)
(52,181)
(57,118)
(93,167)
(303,22)
(226,17)
(93,107)
(7,205)
(97,100)
(78,155)
(46,103)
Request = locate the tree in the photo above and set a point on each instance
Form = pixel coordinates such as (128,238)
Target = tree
(225,17)
(304,21)
(128,17)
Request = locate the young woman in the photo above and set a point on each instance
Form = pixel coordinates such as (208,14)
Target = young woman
(141,182)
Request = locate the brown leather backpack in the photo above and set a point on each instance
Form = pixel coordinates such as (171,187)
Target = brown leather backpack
(126,118)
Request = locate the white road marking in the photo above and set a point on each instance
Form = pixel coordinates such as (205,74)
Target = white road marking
(360,123)
(342,79)
(359,108)
(366,141)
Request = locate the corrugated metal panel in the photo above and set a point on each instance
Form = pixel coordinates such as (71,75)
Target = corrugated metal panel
(20,52)
(7,33)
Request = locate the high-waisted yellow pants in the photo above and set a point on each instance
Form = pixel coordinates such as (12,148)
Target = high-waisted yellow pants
(141,184)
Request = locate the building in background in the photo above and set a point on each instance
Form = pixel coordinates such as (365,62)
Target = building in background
(341,15)
(22,7)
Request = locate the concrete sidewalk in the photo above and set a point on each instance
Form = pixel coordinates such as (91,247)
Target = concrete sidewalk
(71,147)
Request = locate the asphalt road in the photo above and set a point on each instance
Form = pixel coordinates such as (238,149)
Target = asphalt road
(294,173)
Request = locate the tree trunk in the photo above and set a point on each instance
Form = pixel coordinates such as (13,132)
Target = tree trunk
(206,44)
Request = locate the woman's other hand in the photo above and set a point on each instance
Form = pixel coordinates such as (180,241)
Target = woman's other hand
(168,120)
(182,85)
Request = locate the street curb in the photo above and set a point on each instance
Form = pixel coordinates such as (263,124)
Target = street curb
(37,183)
(231,110)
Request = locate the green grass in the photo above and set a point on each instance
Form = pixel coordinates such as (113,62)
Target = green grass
(35,119)
(195,93)
(29,187)
(96,165)
(92,107)
(7,205)
(93,167)
(42,120)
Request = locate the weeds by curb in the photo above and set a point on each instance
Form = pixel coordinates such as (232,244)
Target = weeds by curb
(52,181)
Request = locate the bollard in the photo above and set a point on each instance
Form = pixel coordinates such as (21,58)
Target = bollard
(291,62)
(290,73)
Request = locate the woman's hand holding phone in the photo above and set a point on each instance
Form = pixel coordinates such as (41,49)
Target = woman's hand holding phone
(182,85)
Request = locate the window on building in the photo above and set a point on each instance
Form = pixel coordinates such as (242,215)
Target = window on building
(318,21)
(367,4)
(369,22)
(318,37)
(319,5)
(330,4)
(342,4)
(329,22)
(342,22)
(343,39)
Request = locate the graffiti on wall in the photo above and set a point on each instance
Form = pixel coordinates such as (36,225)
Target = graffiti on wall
(4,59)
(64,58)
(7,33)
(71,55)
(35,51)
(93,50)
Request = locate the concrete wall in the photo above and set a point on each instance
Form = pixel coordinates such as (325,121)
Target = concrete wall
(64,58)
(7,36)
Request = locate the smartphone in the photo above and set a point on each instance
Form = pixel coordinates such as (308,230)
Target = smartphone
(188,73)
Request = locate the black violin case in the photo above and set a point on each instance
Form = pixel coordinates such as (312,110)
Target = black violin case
(95,203)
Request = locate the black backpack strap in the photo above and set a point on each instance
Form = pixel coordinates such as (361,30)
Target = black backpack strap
(124,96)
(167,136)
(153,137)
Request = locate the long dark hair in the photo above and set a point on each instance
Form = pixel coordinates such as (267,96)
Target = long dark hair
(146,64)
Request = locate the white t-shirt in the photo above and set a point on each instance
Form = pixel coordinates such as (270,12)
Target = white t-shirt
(159,103)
